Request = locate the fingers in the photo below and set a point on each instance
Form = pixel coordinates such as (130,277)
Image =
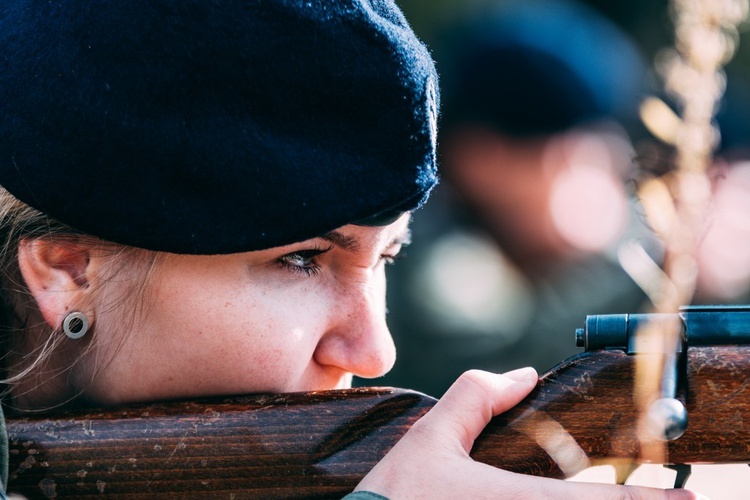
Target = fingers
(477,396)
(432,459)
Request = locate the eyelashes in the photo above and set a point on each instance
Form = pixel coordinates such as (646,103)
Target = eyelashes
(304,262)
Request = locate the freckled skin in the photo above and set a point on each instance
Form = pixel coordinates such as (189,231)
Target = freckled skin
(243,323)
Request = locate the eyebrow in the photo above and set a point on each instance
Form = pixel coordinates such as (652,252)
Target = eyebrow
(351,244)
(348,243)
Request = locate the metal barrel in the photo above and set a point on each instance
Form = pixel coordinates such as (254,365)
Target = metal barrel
(701,325)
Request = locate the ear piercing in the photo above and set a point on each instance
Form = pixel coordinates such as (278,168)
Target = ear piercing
(75,325)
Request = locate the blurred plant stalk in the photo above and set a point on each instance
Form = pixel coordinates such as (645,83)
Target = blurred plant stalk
(677,203)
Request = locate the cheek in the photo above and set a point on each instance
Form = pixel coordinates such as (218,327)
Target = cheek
(259,339)
(203,343)
(228,336)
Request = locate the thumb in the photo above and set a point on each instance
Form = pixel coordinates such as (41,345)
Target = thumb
(477,396)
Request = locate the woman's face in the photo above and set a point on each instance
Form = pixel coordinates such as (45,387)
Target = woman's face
(294,318)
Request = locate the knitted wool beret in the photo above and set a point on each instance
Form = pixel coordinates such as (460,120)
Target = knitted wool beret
(214,126)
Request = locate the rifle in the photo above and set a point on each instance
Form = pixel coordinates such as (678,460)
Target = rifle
(320,444)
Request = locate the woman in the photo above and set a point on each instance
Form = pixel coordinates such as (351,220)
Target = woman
(199,199)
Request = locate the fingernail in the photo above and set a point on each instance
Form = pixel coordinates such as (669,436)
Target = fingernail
(527,374)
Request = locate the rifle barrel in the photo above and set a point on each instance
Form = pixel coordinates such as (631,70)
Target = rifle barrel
(707,325)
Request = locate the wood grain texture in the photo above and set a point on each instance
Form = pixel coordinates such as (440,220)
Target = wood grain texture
(319,445)
(315,445)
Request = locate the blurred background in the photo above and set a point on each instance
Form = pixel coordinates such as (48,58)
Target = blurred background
(544,143)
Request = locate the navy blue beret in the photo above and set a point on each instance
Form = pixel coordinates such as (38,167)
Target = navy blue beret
(535,67)
(214,126)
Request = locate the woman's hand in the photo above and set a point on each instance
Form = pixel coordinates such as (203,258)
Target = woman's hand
(432,460)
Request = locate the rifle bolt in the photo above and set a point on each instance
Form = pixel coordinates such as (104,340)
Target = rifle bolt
(667,419)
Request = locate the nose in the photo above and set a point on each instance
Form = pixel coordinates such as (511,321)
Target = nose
(358,340)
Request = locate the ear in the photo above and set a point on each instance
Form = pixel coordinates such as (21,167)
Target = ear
(55,274)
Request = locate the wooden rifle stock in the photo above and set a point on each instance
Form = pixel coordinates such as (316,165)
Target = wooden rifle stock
(319,445)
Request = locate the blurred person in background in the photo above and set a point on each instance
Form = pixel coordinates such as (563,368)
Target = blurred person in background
(521,240)
(724,252)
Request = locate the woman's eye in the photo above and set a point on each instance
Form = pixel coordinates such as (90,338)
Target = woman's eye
(302,261)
